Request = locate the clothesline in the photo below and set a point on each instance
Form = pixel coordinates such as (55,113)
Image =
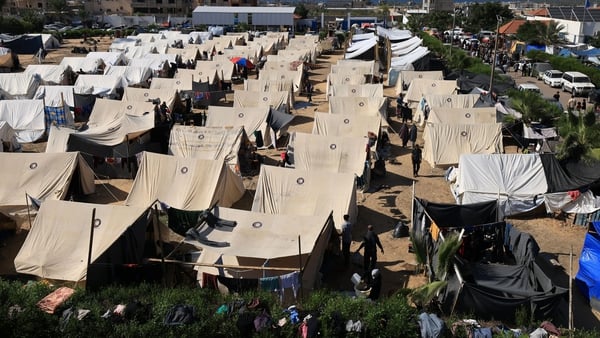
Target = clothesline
(224,266)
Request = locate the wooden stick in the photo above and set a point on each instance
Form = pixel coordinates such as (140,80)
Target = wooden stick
(571,292)
(247,267)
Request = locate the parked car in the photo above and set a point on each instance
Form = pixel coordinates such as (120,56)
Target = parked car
(577,83)
(538,69)
(529,87)
(552,78)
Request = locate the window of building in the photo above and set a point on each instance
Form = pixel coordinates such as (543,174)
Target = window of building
(249,18)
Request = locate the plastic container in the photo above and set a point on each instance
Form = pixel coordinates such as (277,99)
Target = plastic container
(355,279)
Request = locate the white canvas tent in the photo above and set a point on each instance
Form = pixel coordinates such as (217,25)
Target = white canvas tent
(346,125)
(267,86)
(357,49)
(294,76)
(517,181)
(335,154)
(344,79)
(133,76)
(101,85)
(83,64)
(109,58)
(209,143)
(58,245)
(18,86)
(445,143)
(42,176)
(51,74)
(268,240)
(288,191)
(251,118)
(193,184)
(26,117)
(406,77)
(53,96)
(113,122)
(138,52)
(361,67)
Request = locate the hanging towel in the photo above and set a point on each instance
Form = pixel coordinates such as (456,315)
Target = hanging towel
(435,231)
(269,283)
(291,280)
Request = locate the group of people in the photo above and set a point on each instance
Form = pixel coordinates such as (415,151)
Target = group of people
(409,133)
(574,105)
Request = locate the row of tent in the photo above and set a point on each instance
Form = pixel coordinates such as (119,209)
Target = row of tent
(200,176)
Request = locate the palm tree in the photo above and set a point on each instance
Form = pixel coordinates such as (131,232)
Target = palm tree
(580,135)
(533,107)
(551,35)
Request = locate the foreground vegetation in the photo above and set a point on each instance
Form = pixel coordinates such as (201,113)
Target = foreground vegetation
(20,317)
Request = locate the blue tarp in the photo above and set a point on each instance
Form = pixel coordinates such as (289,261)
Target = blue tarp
(565,53)
(588,52)
(535,47)
(588,276)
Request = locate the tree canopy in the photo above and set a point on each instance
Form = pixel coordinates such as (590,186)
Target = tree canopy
(483,16)
(301,11)
(540,33)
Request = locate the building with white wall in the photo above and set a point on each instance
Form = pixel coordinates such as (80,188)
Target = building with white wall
(579,22)
(253,16)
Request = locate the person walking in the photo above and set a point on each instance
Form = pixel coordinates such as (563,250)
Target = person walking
(571,103)
(370,243)
(404,134)
(557,96)
(412,135)
(309,90)
(416,157)
(346,239)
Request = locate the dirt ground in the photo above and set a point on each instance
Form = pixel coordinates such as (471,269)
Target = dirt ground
(382,208)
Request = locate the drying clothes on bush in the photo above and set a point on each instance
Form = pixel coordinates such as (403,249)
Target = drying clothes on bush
(51,302)
(269,283)
(180,315)
(69,313)
(431,325)
(550,328)
(290,280)
(309,327)
(353,326)
(262,321)
(293,311)
(539,333)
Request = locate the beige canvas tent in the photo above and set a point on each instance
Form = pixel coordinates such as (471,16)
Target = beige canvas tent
(268,86)
(344,79)
(42,176)
(345,124)
(288,191)
(252,119)
(199,74)
(8,138)
(167,95)
(225,68)
(180,84)
(406,77)
(349,66)
(184,183)
(58,244)
(444,143)
(462,115)
(419,87)
(433,101)
(269,241)
(294,76)
(210,143)
(276,100)
(369,106)
(335,154)
(364,90)
(133,76)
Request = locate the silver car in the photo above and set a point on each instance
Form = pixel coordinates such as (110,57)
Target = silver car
(552,77)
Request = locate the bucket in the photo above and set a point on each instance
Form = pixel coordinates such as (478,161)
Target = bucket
(355,279)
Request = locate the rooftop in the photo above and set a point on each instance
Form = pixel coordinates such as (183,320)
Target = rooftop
(228,9)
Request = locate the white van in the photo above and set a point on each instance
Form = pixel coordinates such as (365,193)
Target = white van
(530,87)
(577,83)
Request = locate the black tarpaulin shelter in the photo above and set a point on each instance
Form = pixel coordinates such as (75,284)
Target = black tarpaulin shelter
(468,81)
(23,44)
(568,176)
(492,290)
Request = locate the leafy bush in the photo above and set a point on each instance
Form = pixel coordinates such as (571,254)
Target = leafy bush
(391,317)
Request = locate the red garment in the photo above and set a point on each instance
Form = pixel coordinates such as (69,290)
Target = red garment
(209,281)
(574,194)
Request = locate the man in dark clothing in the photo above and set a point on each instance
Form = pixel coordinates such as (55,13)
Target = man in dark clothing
(416,157)
(375,284)
(346,239)
(370,243)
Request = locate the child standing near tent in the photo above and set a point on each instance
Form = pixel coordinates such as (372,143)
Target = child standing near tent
(416,157)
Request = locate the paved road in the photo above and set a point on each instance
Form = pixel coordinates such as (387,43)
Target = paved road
(547,91)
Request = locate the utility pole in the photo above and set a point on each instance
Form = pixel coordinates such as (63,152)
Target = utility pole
(498,21)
